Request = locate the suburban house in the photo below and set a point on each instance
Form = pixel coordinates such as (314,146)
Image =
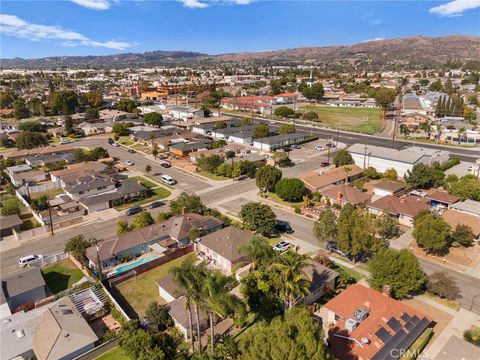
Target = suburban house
(40,151)
(386,188)
(63,211)
(168,288)
(88,185)
(343,194)
(185,148)
(22,288)
(362,323)
(222,249)
(28,177)
(240,135)
(96,128)
(314,181)
(73,171)
(18,169)
(257,104)
(441,199)
(403,209)
(161,236)
(454,218)
(322,281)
(185,112)
(274,142)
(414,120)
(9,224)
(286,98)
(383,158)
(468,206)
(44,159)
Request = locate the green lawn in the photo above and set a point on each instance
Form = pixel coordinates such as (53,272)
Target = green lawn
(276,198)
(125,140)
(61,275)
(353,273)
(145,182)
(213,176)
(158,194)
(139,292)
(115,354)
(50,193)
(365,120)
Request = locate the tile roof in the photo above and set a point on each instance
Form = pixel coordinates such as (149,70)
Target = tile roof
(400,324)
(226,242)
(348,194)
(410,205)
(454,218)
(333,176)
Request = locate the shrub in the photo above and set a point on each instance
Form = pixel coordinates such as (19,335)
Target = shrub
(290,189)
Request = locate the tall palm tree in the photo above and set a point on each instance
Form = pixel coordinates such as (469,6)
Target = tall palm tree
(460,133)
(291,267)
(347,169)
(257,249)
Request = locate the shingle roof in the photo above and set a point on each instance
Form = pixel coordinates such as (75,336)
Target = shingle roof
(393,186)
(442,196)
(348,194)
(226,242)
(468,206)
(10,221)
(319,274)
(169,285)
(333,176)
(22,281)
(410,206)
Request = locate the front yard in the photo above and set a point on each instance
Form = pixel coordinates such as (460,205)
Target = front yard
(157,193)
(138,292)
(61,275)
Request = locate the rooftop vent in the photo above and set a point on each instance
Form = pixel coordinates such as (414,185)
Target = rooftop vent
(361,314)
(20,334)
(365,340)
(351,324)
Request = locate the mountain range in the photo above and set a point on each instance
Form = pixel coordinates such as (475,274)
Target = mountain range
(411,51)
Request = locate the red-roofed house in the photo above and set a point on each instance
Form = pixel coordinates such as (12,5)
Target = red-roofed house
(403,209)
(286,98)
(363,323)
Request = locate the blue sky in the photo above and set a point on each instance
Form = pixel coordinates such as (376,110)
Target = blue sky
(33,29)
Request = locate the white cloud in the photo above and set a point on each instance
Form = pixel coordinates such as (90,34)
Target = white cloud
(202,4)
(374,39)
(375,22)
(93,4)
(455,7)
(14,26)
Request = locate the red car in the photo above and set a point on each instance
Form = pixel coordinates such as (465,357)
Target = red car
(324,164)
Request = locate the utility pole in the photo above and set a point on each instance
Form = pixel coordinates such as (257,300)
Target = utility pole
(394,130)
(338,134)
(50,216)
(328,154)
(365,157)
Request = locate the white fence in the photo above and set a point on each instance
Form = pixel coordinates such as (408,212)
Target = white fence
(52,259)
(39,188)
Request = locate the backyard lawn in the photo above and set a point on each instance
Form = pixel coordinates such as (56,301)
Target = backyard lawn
(61,275)
(139,292)
(50,193)
(365,120)
(115,354)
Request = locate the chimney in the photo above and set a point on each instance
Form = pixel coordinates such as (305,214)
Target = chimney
(386,290)
(339,198)
(184,210)
(402,200)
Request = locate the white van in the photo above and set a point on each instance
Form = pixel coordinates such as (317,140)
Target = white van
(168,180)
(27,260)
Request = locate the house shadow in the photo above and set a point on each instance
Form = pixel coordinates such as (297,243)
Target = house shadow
(56,281)
(125,305)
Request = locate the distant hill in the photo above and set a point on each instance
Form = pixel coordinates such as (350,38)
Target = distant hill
(411,51)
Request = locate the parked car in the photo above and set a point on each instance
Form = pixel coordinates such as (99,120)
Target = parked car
(168,180)
(133,210)
(320,148)
(165,165)
(156,204)
(240,178)
(30,259)
(157,174)
(282,150)
(324,164)
(295,146)
(116,144)
(65,142)
(283,227)
(282,246)
(129,162)
(110,141)
(131,151)
(331,145)
(332,247)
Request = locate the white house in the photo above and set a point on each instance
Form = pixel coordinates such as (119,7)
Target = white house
(273,142)
(185,112)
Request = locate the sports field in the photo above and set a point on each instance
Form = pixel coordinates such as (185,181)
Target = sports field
(365,120)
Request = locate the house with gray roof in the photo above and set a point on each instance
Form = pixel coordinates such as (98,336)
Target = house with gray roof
(274,142)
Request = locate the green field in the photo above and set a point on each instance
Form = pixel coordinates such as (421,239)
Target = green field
(365,120)
(61,275)
(115,354)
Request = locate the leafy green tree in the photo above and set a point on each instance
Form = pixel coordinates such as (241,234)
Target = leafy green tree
(248,168)
(442,285)
(127,105)
(77,246)
(284,111)
(21,109)
(148,168)
(30,140)
(11,206)
(436,86)
(371,173)
(398,269)
(463,235)
(390,174)
(5,141)
(155,152)
(286,129)
(325,228)
(468,187)
(311,116)
(258,217)
(281,159)
(157,315)
(258,250)
(64,102)
(230,154)
(342,157)
(387,228)
(122,227)
(432,233)
(5,100)
(293,336)
(31,126)
(68,124)
(421,176)
(189,202)
(267,177)
(153,119)
(290,189)
(384,97)
(314,92)
(94,98)
(261,131)
(219,125)
(194,233)
(92,114)
(121,128)
(209,163)
(40,203)
(141,220)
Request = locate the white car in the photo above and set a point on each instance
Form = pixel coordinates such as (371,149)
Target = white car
(320,148)
(168,180)
(65,142)
(129,162)
(115,145)
(30,259)
(282,246)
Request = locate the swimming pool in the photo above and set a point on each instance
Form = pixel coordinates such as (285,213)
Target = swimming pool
(125,268)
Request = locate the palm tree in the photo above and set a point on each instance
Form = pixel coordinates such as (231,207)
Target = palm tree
(257,248)
(347,169)
(290,268)
(460,133)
